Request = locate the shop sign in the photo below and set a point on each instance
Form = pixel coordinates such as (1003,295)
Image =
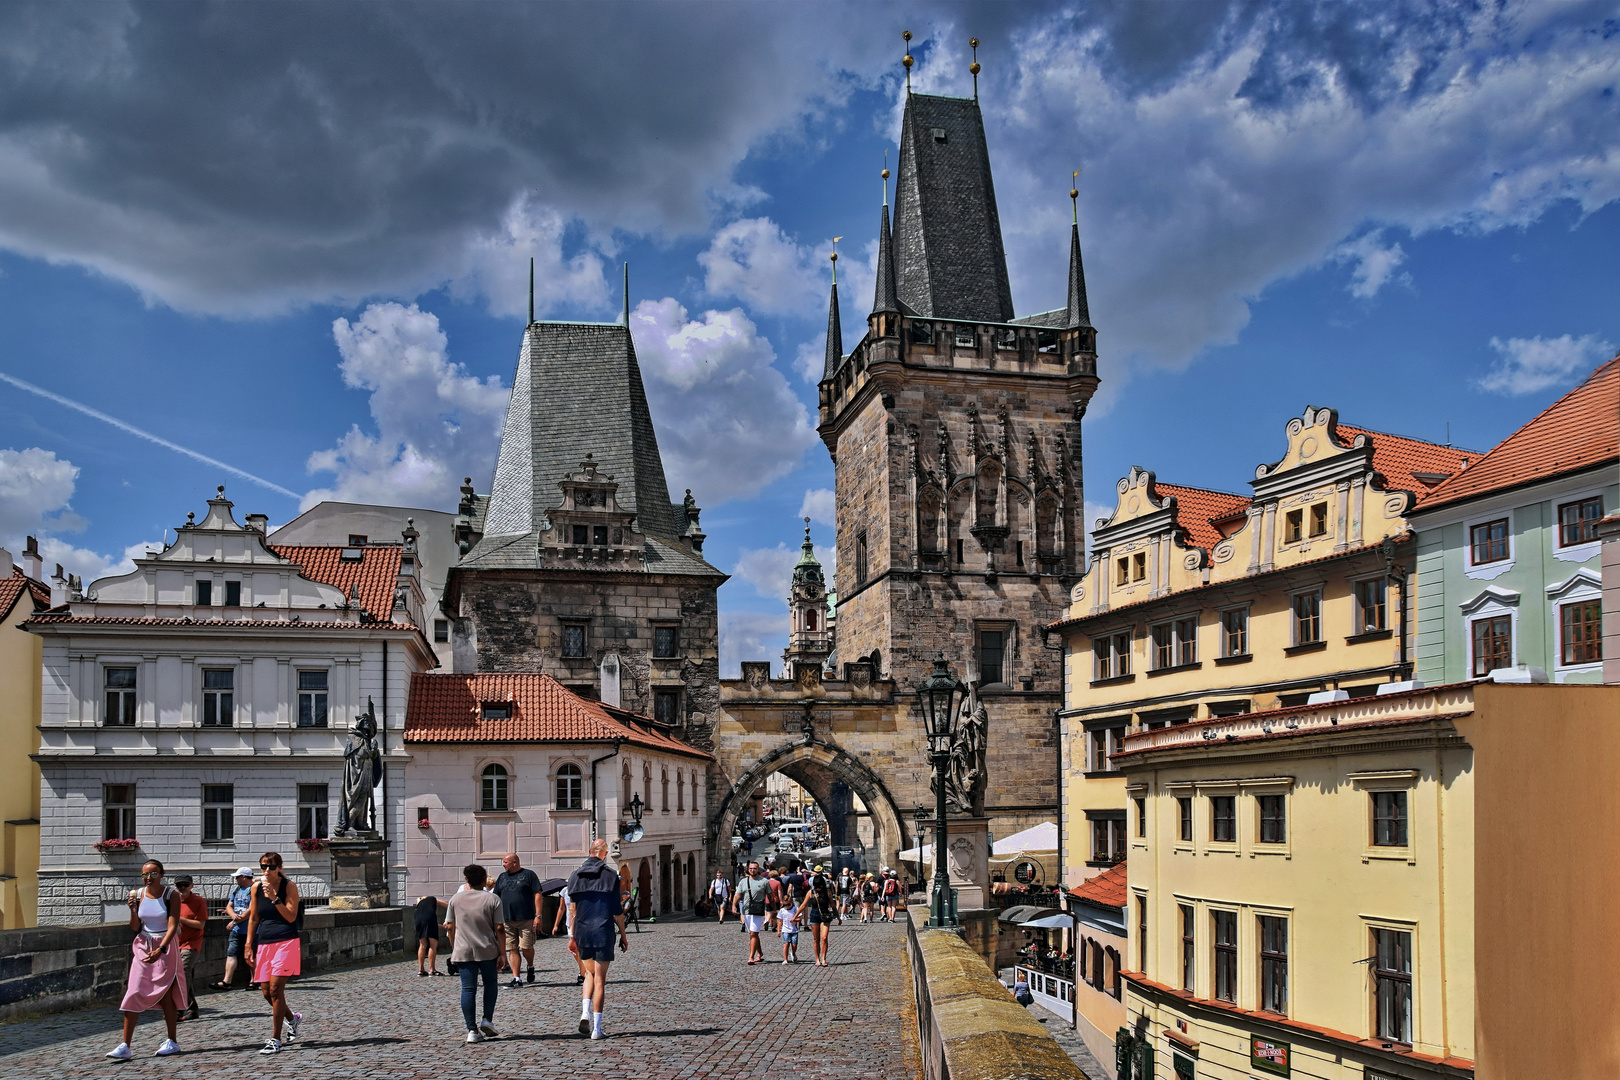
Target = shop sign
(1268,1055)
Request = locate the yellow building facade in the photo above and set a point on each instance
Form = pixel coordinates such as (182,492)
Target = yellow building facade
(1377,888)
(1199,603)
(20,596)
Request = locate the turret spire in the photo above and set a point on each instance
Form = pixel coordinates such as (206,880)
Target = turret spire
(885,298)
(835,330)
(1079,310)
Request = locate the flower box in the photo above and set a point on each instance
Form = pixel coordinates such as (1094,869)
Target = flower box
(308,844)
(110,846)
(424,824)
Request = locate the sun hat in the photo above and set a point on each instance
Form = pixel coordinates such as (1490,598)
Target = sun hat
(244,871)
(816,869)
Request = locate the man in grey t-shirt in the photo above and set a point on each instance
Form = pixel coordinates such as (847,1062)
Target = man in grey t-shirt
(475,917)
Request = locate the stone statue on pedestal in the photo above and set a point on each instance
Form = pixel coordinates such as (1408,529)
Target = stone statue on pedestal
(362,772)
(965,789)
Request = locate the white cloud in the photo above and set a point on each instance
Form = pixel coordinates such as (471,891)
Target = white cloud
(820,504)
(434,422)
(768,570)
(754,261)
(36,489)
(1374,264)
(728,422)
(495,265)
(750,635)
(1527,365)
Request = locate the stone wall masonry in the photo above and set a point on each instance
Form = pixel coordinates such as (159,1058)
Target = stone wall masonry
(48,969)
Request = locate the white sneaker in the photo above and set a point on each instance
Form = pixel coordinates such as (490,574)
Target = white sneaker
(169,1047)
(488,1028)
(271,1046)
(292,1025)
(598,1033)
(475,1036)
(121,1052)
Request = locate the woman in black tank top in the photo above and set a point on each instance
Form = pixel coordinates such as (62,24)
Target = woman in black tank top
(273,946)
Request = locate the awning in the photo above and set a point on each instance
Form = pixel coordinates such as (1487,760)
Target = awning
(1023,913)
(1042,837)
(1101,921)
(1049,922)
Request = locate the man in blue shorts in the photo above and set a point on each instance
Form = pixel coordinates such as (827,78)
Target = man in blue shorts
(594,903)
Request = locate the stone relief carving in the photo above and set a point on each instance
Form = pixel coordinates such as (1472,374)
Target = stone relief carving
(1222,552)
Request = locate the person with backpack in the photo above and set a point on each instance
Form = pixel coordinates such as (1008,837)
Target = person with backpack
(869,897)
(891,895)
(750,900)
(598,909)
(719,890)
(818,909)
(846,884)
(155,974)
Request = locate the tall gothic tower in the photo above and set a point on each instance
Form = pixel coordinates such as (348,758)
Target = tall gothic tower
(955,434)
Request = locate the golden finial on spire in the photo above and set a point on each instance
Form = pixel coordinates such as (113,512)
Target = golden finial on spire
(1074,195)
(973,43)
(834,258)
(907,61)
(885,176)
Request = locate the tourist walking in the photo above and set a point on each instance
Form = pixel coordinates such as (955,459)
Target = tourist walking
(891,894)
(427,935)
(193,917)
(719,890)
(593,893)
(475,916)
(519,890)
(155,974)
(273,948)
(773,882)
(787,918)
(846,885)
(819,908)
(753,896)
(236,910)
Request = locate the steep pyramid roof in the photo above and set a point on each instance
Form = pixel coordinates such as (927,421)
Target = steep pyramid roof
(835,336)
(1079,311)
(948,252)
(884,297)
(1578,431)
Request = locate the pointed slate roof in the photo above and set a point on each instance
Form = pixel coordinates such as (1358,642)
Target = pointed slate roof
(947,233)
(835,336)
(577,391)
(884,298)
(1079,311)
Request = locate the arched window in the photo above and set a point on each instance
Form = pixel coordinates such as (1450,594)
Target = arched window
(570,788)
(626,792)
(646,785)
(492,794)
(664,774)
(1096,965)
(928,521)
(810,619)
(1046,515)
(680,792)
(1113,984)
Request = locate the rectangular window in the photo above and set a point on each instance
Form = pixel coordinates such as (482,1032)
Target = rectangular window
(233,594)
(120,691)
(1186,641)
(357,540)
(1392,984)
(573,640)
(441,631)
(219,813)
(1273,964)
(1184,812)
(1141,933)
(1223,818)
(599,535)
(1108,840)
(1103,742)
(1122,572)
(1307,618)
(1163,645)
(992,644)
(1576,521)
(582,535)
(1493,644)
(1187,969)
(1225,924)
(1019,558)
(1141,817)
(1294,526)
(860,558)
(667,706)
(1488,542)
(666,642)
(1319,519)
(1235,631)
(1273,819)
(1113,655)
(219,685)
(959,551)
(1389,818)
(495,710)
(1372,612)
(312,803)
(1139,566)
(1580,629)
(312,692)
(118,811)
(205,593)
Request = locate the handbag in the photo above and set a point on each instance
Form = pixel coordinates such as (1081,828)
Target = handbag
(756,901)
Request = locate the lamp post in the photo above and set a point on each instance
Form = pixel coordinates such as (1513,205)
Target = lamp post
(937,699)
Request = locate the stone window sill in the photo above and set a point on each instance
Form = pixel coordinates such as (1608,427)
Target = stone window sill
(1307,647)
(1117,680)
(1371,635)
(1194,666)
(1240,658)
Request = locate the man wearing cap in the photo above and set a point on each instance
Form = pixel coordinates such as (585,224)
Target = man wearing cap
(193,917)
(236,910)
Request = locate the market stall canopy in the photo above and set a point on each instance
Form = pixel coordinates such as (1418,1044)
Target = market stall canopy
(1023,913)
(1042,837)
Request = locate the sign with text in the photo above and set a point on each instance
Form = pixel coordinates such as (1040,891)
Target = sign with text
(1268,1055)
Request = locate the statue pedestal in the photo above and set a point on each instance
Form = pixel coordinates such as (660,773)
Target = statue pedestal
(967,860)
(359,871)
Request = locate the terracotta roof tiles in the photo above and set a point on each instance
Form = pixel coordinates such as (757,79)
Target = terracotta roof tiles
(375,573)
(13,588)
(1400,459)
(1198,508)
(1106,889)
(1578,431)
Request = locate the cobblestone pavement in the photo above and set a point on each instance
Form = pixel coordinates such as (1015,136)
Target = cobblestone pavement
(1060,1029)
(681,1003)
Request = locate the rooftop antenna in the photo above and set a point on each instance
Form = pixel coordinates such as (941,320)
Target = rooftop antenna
(531,290)
(907,61)
(1074,195)
(835,257)
(627,296)
(974,67)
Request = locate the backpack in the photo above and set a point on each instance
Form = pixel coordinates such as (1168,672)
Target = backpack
(891,887)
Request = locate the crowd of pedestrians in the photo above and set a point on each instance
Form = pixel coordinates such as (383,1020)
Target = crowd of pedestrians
(781,903)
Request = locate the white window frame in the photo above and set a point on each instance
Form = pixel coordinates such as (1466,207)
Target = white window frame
(222,824)
(1576,552)
(298,692)
(1491,570)
(556,777)
(1491,602)
(1583,585)
(203,694)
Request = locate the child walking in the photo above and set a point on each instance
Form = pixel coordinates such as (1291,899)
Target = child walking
(788,919)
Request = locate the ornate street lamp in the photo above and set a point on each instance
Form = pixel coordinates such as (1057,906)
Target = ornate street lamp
(632,830)
(937,699)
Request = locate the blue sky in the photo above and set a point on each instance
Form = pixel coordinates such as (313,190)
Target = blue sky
(299,246)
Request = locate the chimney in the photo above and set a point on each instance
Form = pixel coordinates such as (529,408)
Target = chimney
(259,523)
(5,563)
(32,564)
(59,587)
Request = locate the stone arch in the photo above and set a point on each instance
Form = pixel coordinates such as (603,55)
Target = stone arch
(802,758)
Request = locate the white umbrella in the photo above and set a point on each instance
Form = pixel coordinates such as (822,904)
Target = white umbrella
(917,854)
(1042,837)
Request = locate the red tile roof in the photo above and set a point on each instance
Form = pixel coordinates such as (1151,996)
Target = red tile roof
(1578,431)
(376,572)
(1197,508)
(1400,459)
(1107,888)
(13,587)
(64,614)
(446,709)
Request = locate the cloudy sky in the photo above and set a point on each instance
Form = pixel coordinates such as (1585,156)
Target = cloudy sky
(286,248)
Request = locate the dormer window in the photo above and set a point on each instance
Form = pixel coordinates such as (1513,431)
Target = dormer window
(582,535)
(495,710)
(599,535)
(351,554)
(357,540)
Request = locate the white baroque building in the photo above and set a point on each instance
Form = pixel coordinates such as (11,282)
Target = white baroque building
(199,706)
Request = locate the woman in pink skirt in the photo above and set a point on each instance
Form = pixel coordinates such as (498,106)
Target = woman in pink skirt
(155,974)
(273,949)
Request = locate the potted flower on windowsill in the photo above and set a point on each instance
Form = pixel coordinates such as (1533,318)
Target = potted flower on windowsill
(109,847)
(311,844)
(424,824)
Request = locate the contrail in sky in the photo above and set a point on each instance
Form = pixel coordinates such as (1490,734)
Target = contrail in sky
(148,436)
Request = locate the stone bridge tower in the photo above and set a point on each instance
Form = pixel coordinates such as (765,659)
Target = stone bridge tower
(954,428)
